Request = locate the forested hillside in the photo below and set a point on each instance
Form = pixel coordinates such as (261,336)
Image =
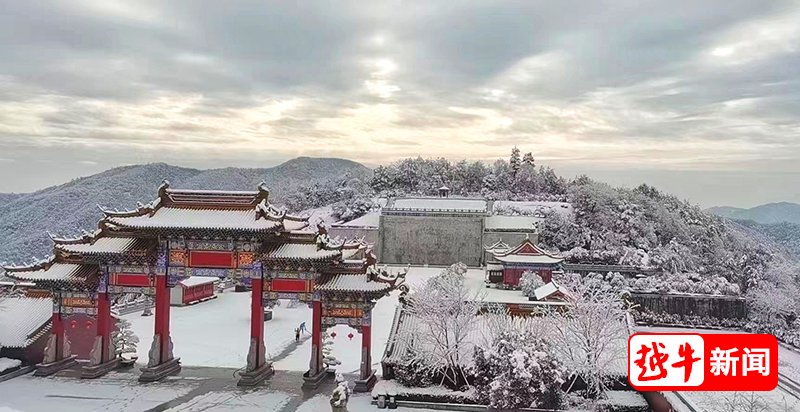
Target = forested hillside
(639,226)
(69,208)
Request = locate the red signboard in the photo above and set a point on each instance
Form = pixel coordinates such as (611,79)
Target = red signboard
(211,259)
(702,362)
(289,285)
(127,279)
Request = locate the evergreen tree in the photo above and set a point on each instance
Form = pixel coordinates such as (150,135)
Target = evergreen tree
(515,162)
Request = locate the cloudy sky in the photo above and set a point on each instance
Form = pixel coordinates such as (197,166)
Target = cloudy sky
(701,98)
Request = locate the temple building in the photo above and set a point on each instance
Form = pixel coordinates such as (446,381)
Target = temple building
(186,234)
(507,264)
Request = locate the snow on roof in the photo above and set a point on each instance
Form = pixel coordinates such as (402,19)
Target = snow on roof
(197,280)
(198,218)
(535,207)
(106,245)
(75,274)
(497,222)
(439,204)
(371,219)
(302,251)
(547,290)
(20,318)
(533,259)
(352,283)
(526,252)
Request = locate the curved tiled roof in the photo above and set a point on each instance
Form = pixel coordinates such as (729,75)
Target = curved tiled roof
(198,218)
(347,282)
(81,276)
(21,318)
(107,245)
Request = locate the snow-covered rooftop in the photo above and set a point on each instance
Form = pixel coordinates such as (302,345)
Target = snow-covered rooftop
(197,218)
(197,280)
(20,317)
(69,273)
(106,245)
(510,223)
(352,283)
(304,251)
(547,290)
(371,219)
(533,207)
(439,204)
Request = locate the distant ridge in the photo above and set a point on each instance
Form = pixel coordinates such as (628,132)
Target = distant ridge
(69,208)
(765,214)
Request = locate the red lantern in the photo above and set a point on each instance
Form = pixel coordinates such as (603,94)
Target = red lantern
(73,324)
(350,335)
(88,324)
(333,335)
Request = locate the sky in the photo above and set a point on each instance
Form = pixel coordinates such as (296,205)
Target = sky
(700,98)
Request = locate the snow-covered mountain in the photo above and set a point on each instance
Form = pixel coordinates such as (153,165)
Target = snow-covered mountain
(765,214)
(69,208)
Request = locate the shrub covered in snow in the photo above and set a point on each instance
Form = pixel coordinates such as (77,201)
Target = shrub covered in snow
(518,371)
(529,282)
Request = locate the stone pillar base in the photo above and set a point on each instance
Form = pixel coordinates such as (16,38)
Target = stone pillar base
(314,381)
(158,372)
(365,385)
(257,376)
(47,369)
(96,371)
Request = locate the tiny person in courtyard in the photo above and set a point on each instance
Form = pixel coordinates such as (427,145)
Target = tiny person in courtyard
(303,327)
(297,334)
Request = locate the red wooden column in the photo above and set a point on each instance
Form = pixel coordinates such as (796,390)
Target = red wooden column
(366,352)
(161,362)
(104,326)
(102,359)
(258,369)
(313,378)
(162,319)
(366,379)
(57,354)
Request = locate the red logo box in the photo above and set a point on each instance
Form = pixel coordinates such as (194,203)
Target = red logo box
(702,362)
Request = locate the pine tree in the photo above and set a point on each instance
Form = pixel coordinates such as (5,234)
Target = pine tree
(527,159)
(515,161)
(124,339)
(327,353)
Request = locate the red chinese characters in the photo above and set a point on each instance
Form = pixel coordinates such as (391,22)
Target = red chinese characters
(703,362)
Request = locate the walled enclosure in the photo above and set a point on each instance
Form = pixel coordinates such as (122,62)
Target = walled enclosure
(431,240)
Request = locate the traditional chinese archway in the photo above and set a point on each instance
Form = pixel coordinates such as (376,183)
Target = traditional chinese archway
(183,233)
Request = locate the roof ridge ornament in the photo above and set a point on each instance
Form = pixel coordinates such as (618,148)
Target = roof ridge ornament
(263,192)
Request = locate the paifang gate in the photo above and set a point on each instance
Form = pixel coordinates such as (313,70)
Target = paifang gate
(222,234)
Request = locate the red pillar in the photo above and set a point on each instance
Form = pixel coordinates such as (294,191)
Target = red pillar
(58,331)
(316,339)
(104,322)
(366,352)
(162,318)
(257,322)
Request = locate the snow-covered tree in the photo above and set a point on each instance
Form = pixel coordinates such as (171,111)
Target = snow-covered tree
(123,339)
(527,159)
(586,332)
(514,161)
(446,310)
(518,371)
(529,282)
(327,353)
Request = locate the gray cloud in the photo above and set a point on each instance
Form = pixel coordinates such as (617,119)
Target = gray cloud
(697,87)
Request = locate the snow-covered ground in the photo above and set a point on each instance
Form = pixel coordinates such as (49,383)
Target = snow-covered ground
(6,363)
(120,392)
(216,333)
